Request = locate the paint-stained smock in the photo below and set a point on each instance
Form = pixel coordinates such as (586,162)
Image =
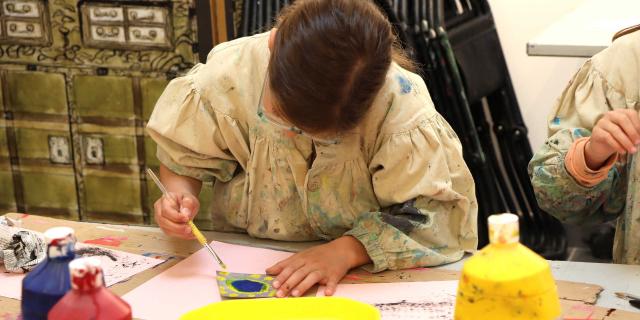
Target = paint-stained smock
(397,183)
(610,80)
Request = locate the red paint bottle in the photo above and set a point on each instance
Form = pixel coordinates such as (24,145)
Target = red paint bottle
(88,298)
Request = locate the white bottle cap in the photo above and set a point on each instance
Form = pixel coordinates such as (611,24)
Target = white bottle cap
(86,273)
(59,234)
(504,228)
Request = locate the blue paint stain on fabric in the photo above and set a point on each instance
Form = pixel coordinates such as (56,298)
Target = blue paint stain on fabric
(405,85)
(247,285)
(577,133)
(556,121)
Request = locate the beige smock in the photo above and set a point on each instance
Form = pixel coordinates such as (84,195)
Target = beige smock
(610,80)
(397,183)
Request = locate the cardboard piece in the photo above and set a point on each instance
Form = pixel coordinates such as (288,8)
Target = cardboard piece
(578,310)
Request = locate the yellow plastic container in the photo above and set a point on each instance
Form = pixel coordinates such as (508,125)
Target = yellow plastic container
(324,308)
(506,280)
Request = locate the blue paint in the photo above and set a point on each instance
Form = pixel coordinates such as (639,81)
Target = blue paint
(405,85)
(247,285)
(556,121)
(47,282)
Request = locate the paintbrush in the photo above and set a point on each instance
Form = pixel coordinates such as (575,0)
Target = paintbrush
(633,299)
(199,236)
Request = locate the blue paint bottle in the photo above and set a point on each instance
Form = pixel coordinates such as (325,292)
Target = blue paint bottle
(49,281)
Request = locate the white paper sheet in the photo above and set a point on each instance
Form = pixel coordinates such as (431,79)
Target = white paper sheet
(117,267)
(430,300)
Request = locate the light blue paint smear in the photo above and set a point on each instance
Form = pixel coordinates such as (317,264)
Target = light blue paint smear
(405,85)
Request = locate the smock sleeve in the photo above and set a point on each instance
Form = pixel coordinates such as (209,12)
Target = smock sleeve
(430,215)
(606,82)
(192,136)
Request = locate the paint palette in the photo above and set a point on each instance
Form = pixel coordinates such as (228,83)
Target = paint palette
(245,285)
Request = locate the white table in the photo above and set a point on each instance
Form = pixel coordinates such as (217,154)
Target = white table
(586,30)
(612,277)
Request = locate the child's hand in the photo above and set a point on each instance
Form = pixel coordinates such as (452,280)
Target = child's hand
(617,131)
(325,264)
(173,212)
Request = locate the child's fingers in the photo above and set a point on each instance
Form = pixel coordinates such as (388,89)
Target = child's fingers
(278,267)
(186,213)
(624,122)
(292,281)
(175,229)
(166,214)
(172,198)
(157,208)
(191,204)
(170,227)
(616,132)
(330,287)
(169,200)
(288,270)
(275,269)
(310,280)
(170,211)
(633,116)
(611,141)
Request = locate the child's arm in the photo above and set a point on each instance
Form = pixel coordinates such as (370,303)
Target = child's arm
(427,192)
(192,148)
(562,195)
(574,179)
(179,184)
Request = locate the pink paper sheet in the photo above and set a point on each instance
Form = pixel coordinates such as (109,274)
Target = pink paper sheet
(191,283)
(10,284)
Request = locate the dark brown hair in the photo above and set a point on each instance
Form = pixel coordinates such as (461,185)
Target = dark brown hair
(330,59)
(625,31)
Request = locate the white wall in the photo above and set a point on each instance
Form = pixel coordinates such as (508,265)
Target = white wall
(538,81)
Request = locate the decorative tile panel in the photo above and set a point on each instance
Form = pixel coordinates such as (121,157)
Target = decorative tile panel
(108,26)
